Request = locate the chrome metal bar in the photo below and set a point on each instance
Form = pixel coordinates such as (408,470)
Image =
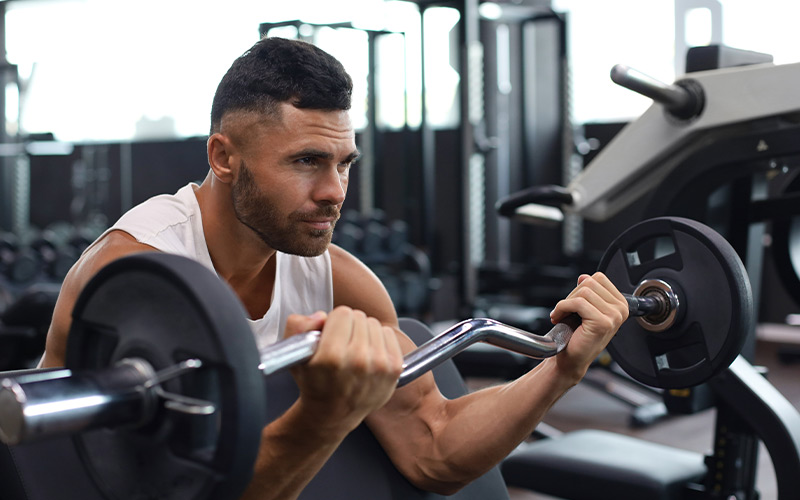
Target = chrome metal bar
(644,305)
(462,335)
(290,352)
(300,348)
(54,403)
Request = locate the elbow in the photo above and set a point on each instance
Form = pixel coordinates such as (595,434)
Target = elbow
(439,487)
(442,480)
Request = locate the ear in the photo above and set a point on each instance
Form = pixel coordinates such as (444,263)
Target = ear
(222,157)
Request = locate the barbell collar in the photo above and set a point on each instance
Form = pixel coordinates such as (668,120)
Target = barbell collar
(663,303)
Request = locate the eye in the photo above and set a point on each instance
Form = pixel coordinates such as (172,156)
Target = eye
(307,160)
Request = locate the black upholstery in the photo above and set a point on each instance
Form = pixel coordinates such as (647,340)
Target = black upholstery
(44,471)
(599,465)
(360,468)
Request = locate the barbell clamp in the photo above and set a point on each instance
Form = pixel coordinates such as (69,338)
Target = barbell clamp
(179,402)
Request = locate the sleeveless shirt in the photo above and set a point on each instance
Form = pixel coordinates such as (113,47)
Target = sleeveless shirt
(173,224)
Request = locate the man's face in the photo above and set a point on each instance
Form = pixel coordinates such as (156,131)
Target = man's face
(293,179)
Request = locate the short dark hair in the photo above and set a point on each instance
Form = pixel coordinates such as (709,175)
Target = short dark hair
(277,70)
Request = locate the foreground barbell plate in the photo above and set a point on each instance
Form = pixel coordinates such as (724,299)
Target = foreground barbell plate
(165,309)
(716,312)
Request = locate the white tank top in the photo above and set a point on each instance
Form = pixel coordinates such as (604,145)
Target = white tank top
(173,224)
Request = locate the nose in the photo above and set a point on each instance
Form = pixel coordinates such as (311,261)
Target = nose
(331,187)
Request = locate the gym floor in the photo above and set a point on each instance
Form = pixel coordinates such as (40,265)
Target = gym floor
(585,407)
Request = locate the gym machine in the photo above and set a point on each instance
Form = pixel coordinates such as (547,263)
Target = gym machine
(754,105)
(706,149)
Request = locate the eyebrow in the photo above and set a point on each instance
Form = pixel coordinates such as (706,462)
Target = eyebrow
(325,155)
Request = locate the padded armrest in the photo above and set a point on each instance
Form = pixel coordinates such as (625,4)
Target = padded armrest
(597,465)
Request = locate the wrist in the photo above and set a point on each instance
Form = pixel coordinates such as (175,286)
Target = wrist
(563,373)
(324,420)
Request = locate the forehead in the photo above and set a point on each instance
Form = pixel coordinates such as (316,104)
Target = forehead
(295,128)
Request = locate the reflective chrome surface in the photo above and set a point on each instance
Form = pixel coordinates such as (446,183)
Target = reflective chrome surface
(301,348)
(56,403)
(666,304)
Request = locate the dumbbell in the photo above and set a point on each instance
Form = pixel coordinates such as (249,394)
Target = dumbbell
(24,324)
(57,256)
(157,337)
(18,263)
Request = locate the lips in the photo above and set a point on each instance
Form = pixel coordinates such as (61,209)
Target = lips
(322,219)
(321,223)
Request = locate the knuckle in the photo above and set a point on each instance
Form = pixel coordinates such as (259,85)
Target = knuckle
(359,365)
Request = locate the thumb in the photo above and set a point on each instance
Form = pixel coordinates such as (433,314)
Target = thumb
(298,323)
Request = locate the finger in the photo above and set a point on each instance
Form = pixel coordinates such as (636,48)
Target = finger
(377,344)
(584,301)
(358,347)
(609,286)
(385,341)
(605,297)
(393,348)
(335,334)
(581,279)
(298,323)
(376,334)
(602,295)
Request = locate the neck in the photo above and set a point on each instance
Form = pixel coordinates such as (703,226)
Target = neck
(239,256)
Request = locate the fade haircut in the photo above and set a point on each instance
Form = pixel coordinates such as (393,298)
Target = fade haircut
(277,70)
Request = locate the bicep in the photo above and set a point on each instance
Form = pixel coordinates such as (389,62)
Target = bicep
(416,409)
(356,286)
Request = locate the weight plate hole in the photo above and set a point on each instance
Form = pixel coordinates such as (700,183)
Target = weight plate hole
(650,250)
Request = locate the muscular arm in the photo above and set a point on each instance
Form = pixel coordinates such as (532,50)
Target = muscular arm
(112,246)
(441,445)
(335,397)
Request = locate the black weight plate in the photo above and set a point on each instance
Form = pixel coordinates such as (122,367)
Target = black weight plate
(716,303)
(165,309)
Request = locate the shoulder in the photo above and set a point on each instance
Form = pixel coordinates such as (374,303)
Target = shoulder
(111,246)
(356,286)
(168,209)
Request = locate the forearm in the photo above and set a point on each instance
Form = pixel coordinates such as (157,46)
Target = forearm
(485,426)
(293,449)
(467,436)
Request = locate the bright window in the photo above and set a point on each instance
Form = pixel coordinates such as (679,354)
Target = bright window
(98,70)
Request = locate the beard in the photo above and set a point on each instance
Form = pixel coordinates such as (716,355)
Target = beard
(284,233)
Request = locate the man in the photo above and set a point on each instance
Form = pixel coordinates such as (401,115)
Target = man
(280,152)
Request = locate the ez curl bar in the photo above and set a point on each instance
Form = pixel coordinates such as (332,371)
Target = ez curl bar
(162,362)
